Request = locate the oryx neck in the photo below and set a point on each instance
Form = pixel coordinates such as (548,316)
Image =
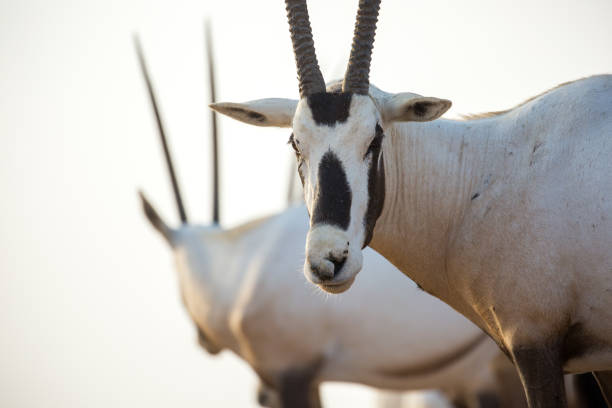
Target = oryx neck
(432,172)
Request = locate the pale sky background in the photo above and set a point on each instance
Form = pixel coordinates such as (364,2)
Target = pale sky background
(90,313)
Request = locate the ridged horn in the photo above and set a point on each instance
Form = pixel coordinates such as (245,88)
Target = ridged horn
(309,74)
(357,77)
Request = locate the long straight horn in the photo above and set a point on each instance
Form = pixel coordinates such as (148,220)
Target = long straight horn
(162,133)
(309,74)
(213,124)
(357,77)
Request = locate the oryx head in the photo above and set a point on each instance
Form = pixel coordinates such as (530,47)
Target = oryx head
(337,136)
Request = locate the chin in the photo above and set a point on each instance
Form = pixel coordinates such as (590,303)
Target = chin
(335,288)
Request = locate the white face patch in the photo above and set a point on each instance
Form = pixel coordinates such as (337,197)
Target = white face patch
(325,148)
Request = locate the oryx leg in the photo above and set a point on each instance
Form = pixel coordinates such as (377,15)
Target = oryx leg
(541,373)
(604,379)
(298,389)
(586,391)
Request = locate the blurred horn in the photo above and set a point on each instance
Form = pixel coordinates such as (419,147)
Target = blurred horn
(213,123)
(162,133)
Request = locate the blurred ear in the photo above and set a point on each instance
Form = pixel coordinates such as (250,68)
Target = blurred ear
(407,107)
(276,112)
(155,220)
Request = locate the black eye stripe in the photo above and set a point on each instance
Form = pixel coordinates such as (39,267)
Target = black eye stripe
(376,186)
(330,108)
(376,143)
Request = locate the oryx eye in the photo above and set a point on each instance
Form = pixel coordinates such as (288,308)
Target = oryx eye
(376,143)
(294,143)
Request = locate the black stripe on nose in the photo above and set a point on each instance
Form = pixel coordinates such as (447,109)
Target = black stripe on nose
(333,196)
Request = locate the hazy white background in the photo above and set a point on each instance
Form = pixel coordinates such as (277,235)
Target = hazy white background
(90,313)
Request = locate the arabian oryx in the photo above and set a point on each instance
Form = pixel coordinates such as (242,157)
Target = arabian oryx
(507,217)
(244,292)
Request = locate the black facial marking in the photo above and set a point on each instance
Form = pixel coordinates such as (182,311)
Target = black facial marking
(329,108)
(475,196)
(333,196)
(253,115)
(376,186)
(376,142)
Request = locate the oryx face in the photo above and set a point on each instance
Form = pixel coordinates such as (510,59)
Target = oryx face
(338,134)
(337,138)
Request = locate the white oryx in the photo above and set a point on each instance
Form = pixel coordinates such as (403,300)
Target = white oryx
(244,292)
(506,217)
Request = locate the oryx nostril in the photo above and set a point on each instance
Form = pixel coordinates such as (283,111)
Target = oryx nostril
(262,398)
(322,270)
(338,264)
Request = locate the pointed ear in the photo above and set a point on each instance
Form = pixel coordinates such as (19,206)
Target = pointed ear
(276,112)
(407,107)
